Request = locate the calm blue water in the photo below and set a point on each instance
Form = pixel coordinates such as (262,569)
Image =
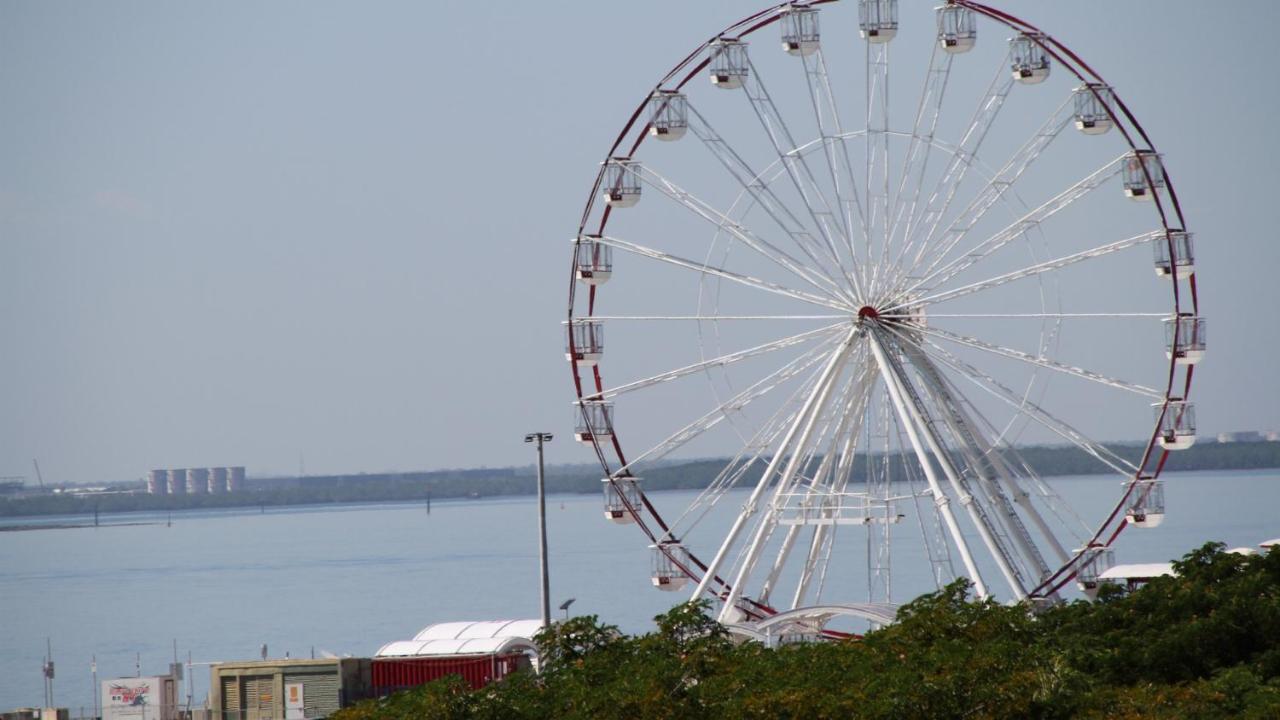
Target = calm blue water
(347,579)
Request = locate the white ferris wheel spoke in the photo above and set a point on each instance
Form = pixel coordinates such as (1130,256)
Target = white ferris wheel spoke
(1043,417)
(996,188)
(820,486)
(966,152)
(823,534)
(1012,232)
(707,212)
(736,403)
(941,500)
(1031,316)
(1039,268)
(796,449)
(802,177)
(989,531)
(835,360)
(721,361)
(916,159)
(738,467)
(988,450)
(831,131)
(933,535)
(719,272)
(1043,362)
(760,192)
(717,318)
(877,158)
(995,481)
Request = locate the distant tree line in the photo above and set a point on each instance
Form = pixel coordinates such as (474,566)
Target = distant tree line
(484,482)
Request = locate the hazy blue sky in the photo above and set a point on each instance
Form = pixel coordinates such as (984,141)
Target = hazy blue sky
(242,233)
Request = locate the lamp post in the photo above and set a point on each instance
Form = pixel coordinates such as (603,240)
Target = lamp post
(540,438)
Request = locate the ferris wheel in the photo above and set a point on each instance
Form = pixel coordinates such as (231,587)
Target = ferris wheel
(870,293)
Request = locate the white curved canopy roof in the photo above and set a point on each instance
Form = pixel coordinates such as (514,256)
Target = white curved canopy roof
(474,629)
(483,637)
(1137,571)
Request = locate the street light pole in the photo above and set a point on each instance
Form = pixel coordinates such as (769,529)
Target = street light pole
(540,438)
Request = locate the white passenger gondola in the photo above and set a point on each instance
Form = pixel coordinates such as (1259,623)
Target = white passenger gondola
(622,499)
(728,65)
(1143,174)
(593,422)
(878,20)
(668,114)
(1177,424)
(620,185)
(1093,108)
(957,29)
(1185,337)
(1146,504)
(799,29)
(1028,59)
(584,341)
(1094,562)
(668,556)
(593,260)
(1175,255)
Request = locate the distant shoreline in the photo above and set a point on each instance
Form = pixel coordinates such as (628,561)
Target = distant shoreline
(422,487)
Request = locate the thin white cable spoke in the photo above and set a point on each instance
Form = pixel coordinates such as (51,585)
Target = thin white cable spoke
(941,500)
(759,190)
(1012,232)
(803,426)
(1033,270)
(933,537)
(704,210)
(721,361)
(761,442)
(1033,316)
(831,135)
(720,272)
(995,189)
(993,537)
(823,534)
(798,170)
(953,175)
(1042,362)
(818,482)
(1043,417)
(916,160)
(983,461)
(824,91)
(737,402)
(877,158)
(718,318)
(1007,475)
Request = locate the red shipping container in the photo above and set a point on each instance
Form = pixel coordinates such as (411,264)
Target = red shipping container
(392,674)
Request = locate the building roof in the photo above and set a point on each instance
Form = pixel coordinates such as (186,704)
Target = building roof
(1273,542)
(1137,571)
(467,638)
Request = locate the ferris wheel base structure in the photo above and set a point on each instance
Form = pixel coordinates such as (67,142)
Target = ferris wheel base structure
(882,312)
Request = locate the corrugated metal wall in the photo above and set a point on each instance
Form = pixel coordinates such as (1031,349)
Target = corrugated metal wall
(319,691)
(260,697)
(231,695)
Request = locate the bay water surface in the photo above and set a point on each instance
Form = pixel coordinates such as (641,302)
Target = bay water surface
(347,579)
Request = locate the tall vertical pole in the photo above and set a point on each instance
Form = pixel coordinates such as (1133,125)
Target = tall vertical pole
(542,538)
(93,667)
(540,438)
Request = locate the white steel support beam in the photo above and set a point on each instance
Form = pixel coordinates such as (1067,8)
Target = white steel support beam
(804,417)
(977,513)
(797,455)
(940,498)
